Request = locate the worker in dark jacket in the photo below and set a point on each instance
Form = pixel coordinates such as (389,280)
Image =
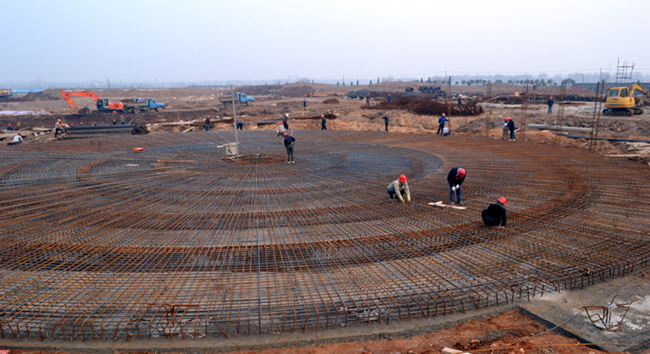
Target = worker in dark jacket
(323,122)
(455,178)
(386,119)
(288,143)
(398,189)
(441,123)
(511,128)
(550,104)
(495,213)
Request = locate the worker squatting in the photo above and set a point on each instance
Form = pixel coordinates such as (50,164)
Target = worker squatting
(493,215)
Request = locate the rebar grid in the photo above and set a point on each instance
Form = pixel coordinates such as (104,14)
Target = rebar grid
(100,243)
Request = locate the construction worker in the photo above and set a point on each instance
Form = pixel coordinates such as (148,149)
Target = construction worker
(455,178)
(504,135)
(550,104)
(206,123)
(122,120)
(323,122)
(279,130)
(288,143)
(511,128)
(441,123)
(59,127)
(304,102)
(239,125)
(368,99)
(17,140)
(9,127)
(386,120)
(398,188)
(495,213)
(460,99)
(285,121)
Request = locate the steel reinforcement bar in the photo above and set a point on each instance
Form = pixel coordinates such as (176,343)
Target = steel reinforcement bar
(101,243)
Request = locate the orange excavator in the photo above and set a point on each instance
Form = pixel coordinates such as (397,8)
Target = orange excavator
(103,104)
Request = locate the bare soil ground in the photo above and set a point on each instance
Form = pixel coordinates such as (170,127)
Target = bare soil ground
(510,332)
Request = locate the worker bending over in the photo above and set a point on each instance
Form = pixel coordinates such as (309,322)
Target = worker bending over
(495,213)
(59,127)
(455,178)
(17,140)
(398,188)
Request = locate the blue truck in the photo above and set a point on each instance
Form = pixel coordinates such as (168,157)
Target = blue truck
(239,98)
(143,104)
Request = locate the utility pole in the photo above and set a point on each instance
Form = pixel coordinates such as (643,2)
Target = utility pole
(234,114)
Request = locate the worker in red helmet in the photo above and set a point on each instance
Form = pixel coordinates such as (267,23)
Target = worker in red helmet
(550,104)
(495,213)
(10,127)
(455,178)
(398,188)
(59,127)
(510,125)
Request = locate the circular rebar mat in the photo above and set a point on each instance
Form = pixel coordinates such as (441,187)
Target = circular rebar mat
(99,242)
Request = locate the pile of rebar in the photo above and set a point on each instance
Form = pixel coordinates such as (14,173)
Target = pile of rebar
(100,243)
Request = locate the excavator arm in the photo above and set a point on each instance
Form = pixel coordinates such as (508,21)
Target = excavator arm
(67,96)
(638,88)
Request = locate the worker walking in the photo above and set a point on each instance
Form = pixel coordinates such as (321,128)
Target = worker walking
(207,124)
(455,178)
(441,123)
(288,143)
(550,104)
(323,122)
(239,126)
(279,131)
(460,99)
(285,121)
(398,189)
(304,102)
(511,128)
(368,100)
(495,213)
(386,120)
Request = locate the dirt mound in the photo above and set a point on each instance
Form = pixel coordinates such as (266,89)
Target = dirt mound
(332,101)
(297,91)
(428,106)
(47,95)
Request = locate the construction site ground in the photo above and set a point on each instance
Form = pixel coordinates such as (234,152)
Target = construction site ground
(554,323)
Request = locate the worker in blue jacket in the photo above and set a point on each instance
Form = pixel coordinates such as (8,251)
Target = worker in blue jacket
(441,123)
(455,178)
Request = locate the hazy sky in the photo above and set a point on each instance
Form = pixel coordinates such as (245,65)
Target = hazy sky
(203,41)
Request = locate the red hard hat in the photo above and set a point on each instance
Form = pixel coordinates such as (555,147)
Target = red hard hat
(402,178)
(9,124)
(506,119)
(461,172)
(114,112)
(285,133)
(279,123)
(502,200)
